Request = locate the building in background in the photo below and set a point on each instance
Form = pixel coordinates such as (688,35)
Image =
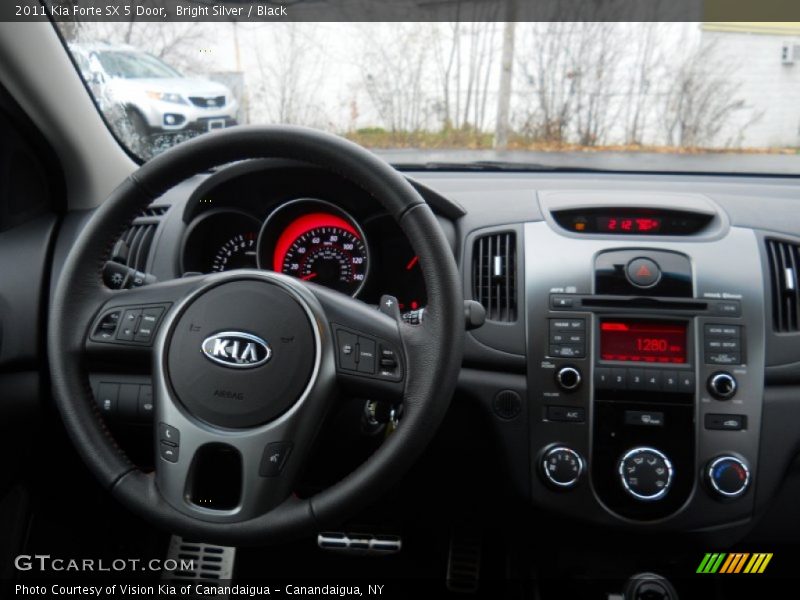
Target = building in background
(769,78)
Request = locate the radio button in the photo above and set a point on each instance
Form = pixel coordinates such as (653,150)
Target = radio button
(727,309)
(723,345)
(669,381)
(562,302)
(567,325)
(567,351)
(652,380)
(566,337)
(724,358)
(602,378)
(619,379)
(635,379)
(686,382)
(722,330)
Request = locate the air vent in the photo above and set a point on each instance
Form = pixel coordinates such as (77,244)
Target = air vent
(133,248)
(784,264)
(154,211)
(494,275)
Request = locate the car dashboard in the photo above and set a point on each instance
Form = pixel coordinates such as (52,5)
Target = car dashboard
(641,333)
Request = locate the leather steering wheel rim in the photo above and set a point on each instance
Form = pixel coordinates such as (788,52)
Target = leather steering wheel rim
(431,370)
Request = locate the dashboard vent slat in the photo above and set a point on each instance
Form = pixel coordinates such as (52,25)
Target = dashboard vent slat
(784,264)
(494,275)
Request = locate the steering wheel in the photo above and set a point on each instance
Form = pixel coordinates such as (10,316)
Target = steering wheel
(250,361)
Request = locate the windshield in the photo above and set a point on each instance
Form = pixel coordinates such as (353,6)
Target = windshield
(626,96)
(134,65)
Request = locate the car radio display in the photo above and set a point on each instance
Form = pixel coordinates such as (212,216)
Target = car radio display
(643,341)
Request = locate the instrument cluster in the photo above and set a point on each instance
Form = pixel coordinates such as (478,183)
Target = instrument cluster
(311,239)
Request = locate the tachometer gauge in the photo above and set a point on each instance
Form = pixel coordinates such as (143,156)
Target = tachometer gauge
(315,241)
(220,240)
(239,252)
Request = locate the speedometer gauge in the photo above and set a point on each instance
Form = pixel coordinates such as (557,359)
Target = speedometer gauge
(315,241)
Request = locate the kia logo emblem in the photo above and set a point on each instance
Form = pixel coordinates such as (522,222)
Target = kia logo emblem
(236,349)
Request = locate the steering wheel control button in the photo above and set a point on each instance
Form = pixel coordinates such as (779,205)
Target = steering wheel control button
(169,452)
(225,394)
(388,358)
(645,473)
(107,397)
(169,434)
(561,467)
(722,385)
(106,328)
(275,456)
(643,272)
(720,422)
(568,378)
(366,355)
(130,321)
(129,324)
(147,325)
(728,476)
(348,349)
(566,414)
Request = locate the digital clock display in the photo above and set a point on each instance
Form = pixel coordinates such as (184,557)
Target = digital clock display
(628,224)
(643,341)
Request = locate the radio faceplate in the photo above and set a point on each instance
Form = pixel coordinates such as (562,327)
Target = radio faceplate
(644,366)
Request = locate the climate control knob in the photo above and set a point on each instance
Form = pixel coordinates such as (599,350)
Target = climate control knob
(645,473)
(722,385)
(728,476)
(568,378)
(562,467)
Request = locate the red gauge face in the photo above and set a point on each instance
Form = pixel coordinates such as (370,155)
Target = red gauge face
(323,248)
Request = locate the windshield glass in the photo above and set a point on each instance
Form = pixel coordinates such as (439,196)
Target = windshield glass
(134,65)
(678,96)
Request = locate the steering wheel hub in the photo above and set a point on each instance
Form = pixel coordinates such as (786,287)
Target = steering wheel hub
(241,353)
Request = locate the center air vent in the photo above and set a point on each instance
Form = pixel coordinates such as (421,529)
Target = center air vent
(784,265)
(494,275)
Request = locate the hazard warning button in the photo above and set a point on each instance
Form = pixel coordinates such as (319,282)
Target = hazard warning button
(643,272)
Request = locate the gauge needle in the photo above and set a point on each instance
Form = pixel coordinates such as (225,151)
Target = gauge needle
(309,276)
(411,263)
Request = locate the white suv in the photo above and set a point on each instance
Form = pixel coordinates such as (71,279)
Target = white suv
(156,97)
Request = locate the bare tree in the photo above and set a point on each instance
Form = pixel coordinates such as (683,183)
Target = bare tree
(291,70)
(178,44)
(703,97)
(548,80)
(395,74)
(643,77)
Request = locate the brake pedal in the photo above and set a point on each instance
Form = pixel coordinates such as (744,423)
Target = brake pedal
(209,563)
(464,561)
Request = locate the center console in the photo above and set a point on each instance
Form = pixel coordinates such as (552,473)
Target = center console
(645,359)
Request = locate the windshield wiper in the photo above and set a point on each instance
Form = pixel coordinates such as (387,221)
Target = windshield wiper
(489,166)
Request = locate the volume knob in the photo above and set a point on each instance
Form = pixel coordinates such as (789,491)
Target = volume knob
(568,378)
